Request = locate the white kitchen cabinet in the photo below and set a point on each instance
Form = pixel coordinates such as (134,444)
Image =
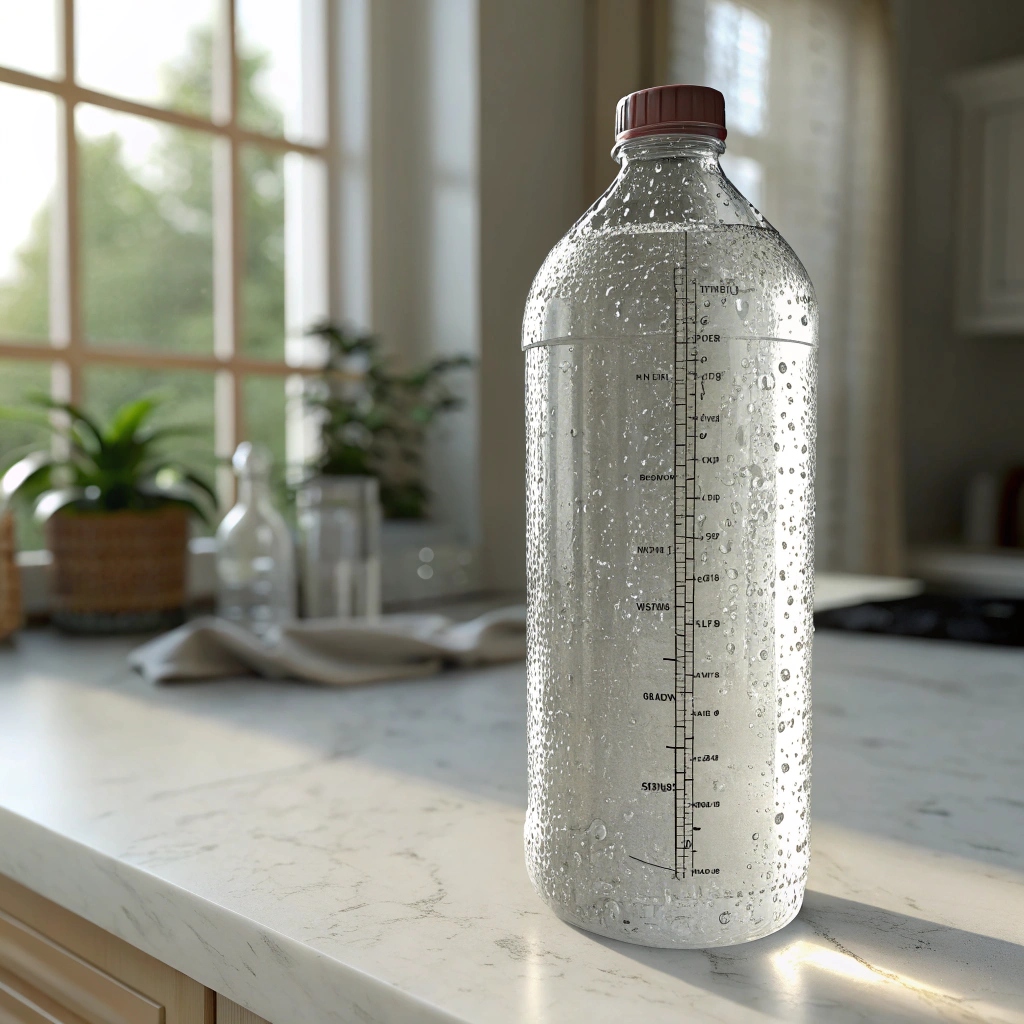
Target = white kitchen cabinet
(990,241)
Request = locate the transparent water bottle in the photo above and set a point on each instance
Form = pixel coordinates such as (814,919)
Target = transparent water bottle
(670,349)
(255,558)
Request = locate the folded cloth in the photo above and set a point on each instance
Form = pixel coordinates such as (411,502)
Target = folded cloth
(338,652)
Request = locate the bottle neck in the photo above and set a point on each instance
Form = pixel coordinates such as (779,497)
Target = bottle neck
(252,488)
(694,150)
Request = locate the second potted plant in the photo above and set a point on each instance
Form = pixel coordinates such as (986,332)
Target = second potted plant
(373,422)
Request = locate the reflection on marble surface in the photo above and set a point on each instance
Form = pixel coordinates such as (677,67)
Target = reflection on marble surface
(326,855)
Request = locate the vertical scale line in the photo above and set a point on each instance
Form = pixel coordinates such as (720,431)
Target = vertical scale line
(685,465)
(678,375)
(691,568)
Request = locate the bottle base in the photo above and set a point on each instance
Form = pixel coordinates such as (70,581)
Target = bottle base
(701,936)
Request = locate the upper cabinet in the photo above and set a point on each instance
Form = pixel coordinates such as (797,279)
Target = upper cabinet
(990,243)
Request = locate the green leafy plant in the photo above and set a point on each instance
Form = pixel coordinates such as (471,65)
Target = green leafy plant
(109,467)
(374,419)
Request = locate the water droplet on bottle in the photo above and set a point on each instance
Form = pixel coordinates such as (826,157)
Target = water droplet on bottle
(785,674)
(723,917)
(779,817)
(767,381)
(755,835)
(803,320)
(782,367)
(611,910)
(731,573)
(598,830)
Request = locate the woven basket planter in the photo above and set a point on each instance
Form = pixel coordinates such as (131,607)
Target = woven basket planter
(117,572)
(10,580)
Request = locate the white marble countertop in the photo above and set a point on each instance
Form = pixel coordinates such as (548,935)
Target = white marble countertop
(356,856)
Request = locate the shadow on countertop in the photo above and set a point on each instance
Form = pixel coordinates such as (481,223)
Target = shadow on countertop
(850,959)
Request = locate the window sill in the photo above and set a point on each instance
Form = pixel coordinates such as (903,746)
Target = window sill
(421,561)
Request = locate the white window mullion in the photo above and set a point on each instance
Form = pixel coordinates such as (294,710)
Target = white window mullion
(228,250)
(65,265)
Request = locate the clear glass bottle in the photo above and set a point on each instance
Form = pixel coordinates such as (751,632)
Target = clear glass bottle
(255,558)
(670,349)
(339,523)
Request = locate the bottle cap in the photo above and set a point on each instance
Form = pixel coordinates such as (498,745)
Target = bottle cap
(671,109)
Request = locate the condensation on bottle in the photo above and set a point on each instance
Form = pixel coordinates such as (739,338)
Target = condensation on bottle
(670,342)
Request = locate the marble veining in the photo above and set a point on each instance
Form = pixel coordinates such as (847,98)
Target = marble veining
(356,855)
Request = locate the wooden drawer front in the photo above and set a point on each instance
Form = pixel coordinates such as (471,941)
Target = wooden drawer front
(20,1003)
(231,1013)
(56,985)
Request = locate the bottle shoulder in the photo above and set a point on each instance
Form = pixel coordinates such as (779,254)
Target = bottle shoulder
(619,279)
(249,519)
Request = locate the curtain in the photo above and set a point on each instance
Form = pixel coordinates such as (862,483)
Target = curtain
(812,106)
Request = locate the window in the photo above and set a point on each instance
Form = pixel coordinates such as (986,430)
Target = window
(736,55)
(732,54)
(164,211)
(810,101)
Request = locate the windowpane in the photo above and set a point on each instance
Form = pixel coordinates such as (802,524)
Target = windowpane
(30,131)
(284,276)
(17,381)
(263,309)
(736,58)
(185,396)
(28,36)
(146,232)
(157,51)
(281,75)
(265,404)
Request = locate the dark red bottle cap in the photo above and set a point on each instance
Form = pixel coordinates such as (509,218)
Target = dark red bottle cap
(671,109)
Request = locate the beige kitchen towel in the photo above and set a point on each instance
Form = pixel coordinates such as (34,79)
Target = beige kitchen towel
(337,652)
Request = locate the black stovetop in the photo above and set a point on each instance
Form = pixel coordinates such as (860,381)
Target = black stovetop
(978,620)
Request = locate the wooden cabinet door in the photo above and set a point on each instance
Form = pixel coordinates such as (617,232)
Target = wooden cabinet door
(56,968)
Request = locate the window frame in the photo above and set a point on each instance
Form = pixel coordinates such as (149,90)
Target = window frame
(67,350)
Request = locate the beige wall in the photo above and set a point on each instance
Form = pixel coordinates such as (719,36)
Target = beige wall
(963,404)
(531,168)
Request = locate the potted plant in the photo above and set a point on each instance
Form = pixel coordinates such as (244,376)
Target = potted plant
(374,419)
(116,509)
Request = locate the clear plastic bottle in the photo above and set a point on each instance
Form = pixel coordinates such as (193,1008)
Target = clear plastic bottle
(255,557)
(670,347)
(339,524)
